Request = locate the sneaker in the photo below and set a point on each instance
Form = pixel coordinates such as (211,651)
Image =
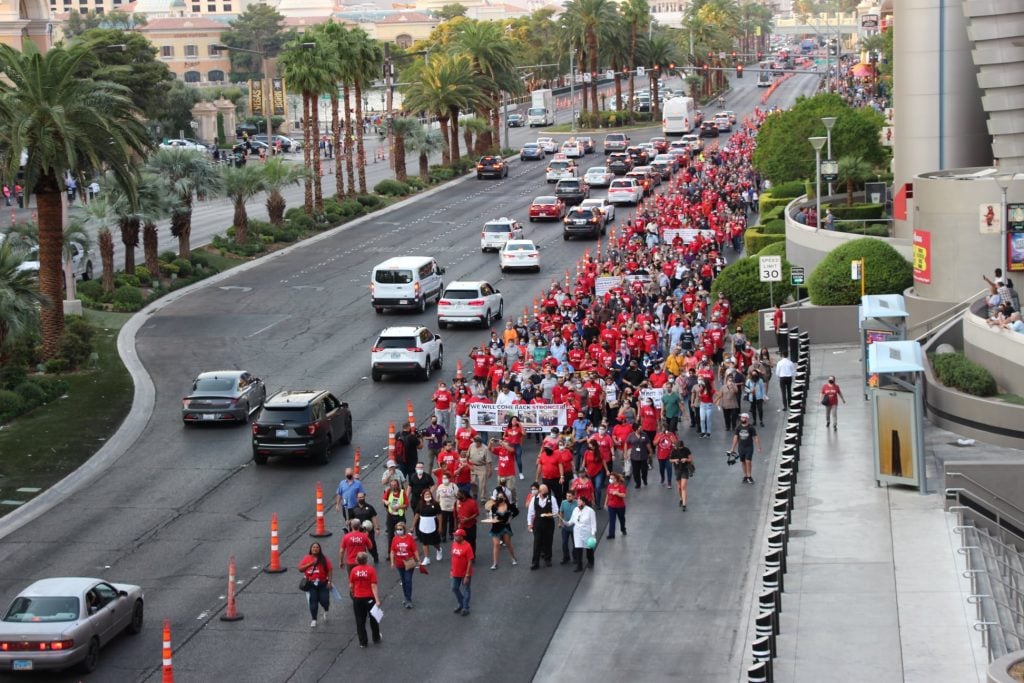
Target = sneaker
(408,605)
(750,480)
(684,508)
(312,624)
(458,610)
(494,566)
(623,532)
(438,555)
(426,561)
(835,428)
(465,612)
(514,563)
(325,616)
(521,477)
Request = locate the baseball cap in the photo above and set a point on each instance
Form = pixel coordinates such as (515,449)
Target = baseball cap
(392,463)
(460,533)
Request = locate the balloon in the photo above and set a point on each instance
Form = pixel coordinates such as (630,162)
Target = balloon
(591,542)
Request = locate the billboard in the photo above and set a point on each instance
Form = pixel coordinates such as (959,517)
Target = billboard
(922,256)
(895,437)
(257,99)
(277,105)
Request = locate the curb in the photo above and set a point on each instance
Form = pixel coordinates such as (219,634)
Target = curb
(145,391)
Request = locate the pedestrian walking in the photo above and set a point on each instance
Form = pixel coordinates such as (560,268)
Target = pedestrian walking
(446,493)
(704,396)
(367,516)
(405,557)
(584,525)
(743,441)
(348,491)
(830,396)
(433,435)
(664,442)
(639,449)
(682,461)
(355,541)
(550,469)
(395,502)
(426,522)
(616,503)
(754,390)
(597,468)
(481,465)
(442,399)
(462,571)
(785,370)
(466,513)
(540,520)
(362,583)
(317,571)
(500,519)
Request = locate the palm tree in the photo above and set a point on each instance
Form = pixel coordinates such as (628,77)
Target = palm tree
(659,52)
(365,58)
(404,128)
(426,142)
(101,214)
(444,88)
(242,183)
(188,174)
(65,124)
(278,175)
(150,204)
(156,201)
(637,15)
(20,299)
(481,128)
(335,39)
(493,60)
(853,169)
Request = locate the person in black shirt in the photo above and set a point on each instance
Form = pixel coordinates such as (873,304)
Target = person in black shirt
(743,441)
(633,375)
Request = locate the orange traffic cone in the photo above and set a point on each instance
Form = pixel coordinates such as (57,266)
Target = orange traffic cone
(412,416)
(355,464)
(536,309)
(275,553)
(231,613)
(321,526)
(458,370)
(566,279)
(391,441)
(168,668)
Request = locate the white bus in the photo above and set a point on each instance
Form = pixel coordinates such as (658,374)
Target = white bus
(677,116)
(764,75)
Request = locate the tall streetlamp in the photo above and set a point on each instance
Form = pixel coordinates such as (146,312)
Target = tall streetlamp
(817,143)
(829,121)
(1003,180)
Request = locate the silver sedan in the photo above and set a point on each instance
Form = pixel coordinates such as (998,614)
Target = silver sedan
(223,395)
(60,622)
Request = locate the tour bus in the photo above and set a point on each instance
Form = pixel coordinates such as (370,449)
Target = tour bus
(764,75)
(677,116)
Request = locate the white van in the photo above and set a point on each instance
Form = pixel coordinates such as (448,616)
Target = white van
(405,282)
(677,116)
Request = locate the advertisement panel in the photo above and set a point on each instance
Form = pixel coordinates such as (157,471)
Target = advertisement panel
(895,437)
(923,256)
(256,98)
(492,417)
(277,96)
(989,220)
(1015,251)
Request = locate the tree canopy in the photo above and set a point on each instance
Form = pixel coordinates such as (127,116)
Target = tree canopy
(260,27)
(134,66)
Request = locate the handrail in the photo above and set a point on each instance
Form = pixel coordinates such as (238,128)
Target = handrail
(955,310)
(994,495)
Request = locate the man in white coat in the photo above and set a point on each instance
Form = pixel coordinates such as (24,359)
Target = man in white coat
(584,527)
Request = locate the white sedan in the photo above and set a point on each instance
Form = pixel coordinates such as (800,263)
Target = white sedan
(549,145)
(182,144)
(606,207)
(598,176)
(519,254)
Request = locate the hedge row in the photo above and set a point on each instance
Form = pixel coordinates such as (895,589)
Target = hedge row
(856,212)
(755,240)
(28,395)
(789,190)
(954,370)
(768,201)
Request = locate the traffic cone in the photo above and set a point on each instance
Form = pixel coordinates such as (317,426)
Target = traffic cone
(231,613)
(599,249)
(391,441)
(412,416)
(536,309)
(567,280)
(275,554)
(355,463)
(458,367)
(168,667)
(321,527)
(526,313)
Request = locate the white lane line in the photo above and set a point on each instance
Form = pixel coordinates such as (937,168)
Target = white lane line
(264,329)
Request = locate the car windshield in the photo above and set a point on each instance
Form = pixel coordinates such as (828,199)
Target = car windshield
(43,609)
(497,227)
(214,384)
(531,145)
(393,277)
(622,185)
(461,294)
(285,414)
(396,343)
(582,213)
(536,111)
(559,164)
(615,138)
(546,201)
(569,185)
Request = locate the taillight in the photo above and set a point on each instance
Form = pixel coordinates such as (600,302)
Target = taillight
(373,288)
(479,166)
(476,302)
(255,429)
(311,429)
(416,287)
(61,644)
(444,302)
(483,234)
(415,349)
(376,349)
(184,403)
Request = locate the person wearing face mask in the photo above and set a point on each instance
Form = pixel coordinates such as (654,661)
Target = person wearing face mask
(565,510)
(347,493)
(352,543)
(466,513)
(419,482)
(426,522)
(596,469)
(743,441)
(395,501)
(584,525)
(830,395)
(446,493)
(405,556)
(367,514)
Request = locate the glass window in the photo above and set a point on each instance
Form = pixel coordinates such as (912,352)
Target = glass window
(215,76)
(191,50)
(43,609)
(396,343)
(393,277)
(192,77)
(166,51)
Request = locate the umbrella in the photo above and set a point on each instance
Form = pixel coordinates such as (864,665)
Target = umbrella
(861,70)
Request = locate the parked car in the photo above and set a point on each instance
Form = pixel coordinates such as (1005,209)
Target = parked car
(81,261)
(306,422)
(495,233)
(406,350)
(223,395)
(531,151)
(547,206)
(183,144)
(572,190)
(583,221)
(516,120)
(519,254)
(491,167)
(287,144)
(470,301)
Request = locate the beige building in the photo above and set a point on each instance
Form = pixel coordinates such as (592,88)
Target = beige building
(186,47)
(22,20)
(403,28)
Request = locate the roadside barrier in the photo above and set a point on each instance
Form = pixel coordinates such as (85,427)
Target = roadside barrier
(275,552)
(167,667)
(321,526)
(458,366)
(759,673)
(231,613)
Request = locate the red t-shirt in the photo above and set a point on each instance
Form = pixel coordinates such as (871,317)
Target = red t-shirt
(664,443)
(464,437)
(620,432)
(362,579)
(567,460)
(514,435)
(466,512)
(616,495)
(442,399)
(583,488)
(353,543)
(462,559)
(506,461)
(649,418)
(316,572)
(402,548)
(549,466)
(604,446)
(593,463)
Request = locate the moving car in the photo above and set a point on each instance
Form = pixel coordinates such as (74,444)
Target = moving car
(652,173)
(660,144)
(709,129)
(572,149)
(731,114)
(181,143)
(560,167)
(665,164)
(491,167)
(497,232)
(572,190)
(643,180)
(81,261)
(606,208)
(60,622)
(583,221)
(470,301)
(620,163)
(406,350)
(615,142)
(550,145)
(286,143)
(588,144)
(516,120)
(694,142)
(639,155)
(254,145)
(223,395)
(723,123)
(547,206)
(519,254)
(598,176)
(625,191)
(305,422)
(531,151)
(405,282)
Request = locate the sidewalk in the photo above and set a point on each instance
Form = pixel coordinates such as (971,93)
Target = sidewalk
(874,589)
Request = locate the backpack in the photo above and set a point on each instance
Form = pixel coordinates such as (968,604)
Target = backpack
(399,450)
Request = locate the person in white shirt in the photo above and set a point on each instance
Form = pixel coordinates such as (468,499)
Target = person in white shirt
(785,369)
(540,520)
(584,526)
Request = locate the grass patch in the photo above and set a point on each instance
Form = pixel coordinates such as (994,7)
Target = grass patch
(1015,399)
(39,448)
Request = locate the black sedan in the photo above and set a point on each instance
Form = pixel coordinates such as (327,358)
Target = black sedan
(516,120)
(709,129)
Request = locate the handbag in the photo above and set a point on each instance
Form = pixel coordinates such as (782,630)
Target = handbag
(304,584)
(824,400)
(410,563)
(627,467)
(691,470)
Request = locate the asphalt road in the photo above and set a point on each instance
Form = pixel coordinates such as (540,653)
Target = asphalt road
(169,513)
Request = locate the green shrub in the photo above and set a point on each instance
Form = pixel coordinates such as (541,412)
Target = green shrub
(200,260)
(767,202)
(167,256)
(297,211)
(330,205)
(439,174)
(129,299)
(11,375)
(868,229)
(755,240)
(462,166)
(143,275)
(92,289)
(857,211)
(788,190)
(184,267)
(391,188)
(168,269)
(52,387)
(32,395)
(75,343)
(11,405)
(302,222)
(887,273)
(414,183)
(956,371)
(55,366)
(749,324)
(370,201)
(121,280)
(740,282)
(774,249)
(776,226)
(773,213)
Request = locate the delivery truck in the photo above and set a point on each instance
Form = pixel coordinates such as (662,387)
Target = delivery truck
(542,109)
(677,116)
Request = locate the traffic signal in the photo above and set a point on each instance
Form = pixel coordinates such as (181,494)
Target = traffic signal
(759,56)
(734,55)
(739,71)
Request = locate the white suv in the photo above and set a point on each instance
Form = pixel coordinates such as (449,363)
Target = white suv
(406,349)
(470,301)
(624,191)
(495,233)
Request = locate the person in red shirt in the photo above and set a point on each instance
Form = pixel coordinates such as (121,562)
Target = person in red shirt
(619,434)
(649,418)
(466,513)
(506,465)
(583,486)
(664,442)
(362,581)
(405,556)
(565,454)
(481,363)
(596,467)
(464,436)
(513,436)
(550,470)
(443,399)
(354,542)
(616,504)
(463,556)
(830,395)
(317,571)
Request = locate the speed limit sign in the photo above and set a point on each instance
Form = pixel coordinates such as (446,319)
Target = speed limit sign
(771,268)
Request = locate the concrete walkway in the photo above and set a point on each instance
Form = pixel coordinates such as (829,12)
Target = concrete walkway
(874,589)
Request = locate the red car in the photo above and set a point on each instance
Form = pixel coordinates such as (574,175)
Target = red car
(547,207)
(660,144)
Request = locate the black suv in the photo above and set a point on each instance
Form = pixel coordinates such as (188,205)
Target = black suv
(306,422)
(709,129)
(639,156)
(491,167)
(572,190)
(620,163)
(585,221)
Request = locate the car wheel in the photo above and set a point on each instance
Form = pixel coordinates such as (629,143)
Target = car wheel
(423,305)
(532,219)
(135,625)
(379,309)
(428,366)
(88,271)
(565,236)
(92,657)
(377,375)
(347,439)
(324,456)
(501,310)
(442,324)
(440,359)
(488,319)
(259,458)
(247,414)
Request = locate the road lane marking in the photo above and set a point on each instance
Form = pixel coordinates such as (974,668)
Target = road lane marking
(264,329)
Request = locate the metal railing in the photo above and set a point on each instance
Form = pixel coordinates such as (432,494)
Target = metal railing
(944,316)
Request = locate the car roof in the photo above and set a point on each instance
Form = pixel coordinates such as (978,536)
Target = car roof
(503,219)
(598,169)
(296,397)
(568,181)
(546,199)
(403,262)
(235,374)
(594,201)
(401,331)
(530,144)
(62,585)
(467,284)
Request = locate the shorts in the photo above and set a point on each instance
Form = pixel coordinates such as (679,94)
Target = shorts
(746,456)
(498,534)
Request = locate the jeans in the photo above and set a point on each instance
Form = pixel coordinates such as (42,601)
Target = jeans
(665,470)
(567,543)
(444,418)
(406,576)
(732,417)
(319,596)
(786,387)
(694,416)
(361,607)
(599,484)
(462,592)
(706,411)
(639,472)
(757,410)
(620,514)
(580,448)
(517,450)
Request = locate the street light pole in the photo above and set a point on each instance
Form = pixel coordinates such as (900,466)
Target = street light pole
(389,85)
(1003,181)
(829,121)
(572,91)
(817,143)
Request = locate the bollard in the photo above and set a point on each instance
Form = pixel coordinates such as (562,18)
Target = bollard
(231,613)
(167,667)
(785,479)
(355,463)
(774,559)
(777,541)
(762,653)
(321,526)
(759,673)
(781,507)
(536,309)
(275,553)
(782,493)
(772,580)
(391,441)
(764,627)
(411,414)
